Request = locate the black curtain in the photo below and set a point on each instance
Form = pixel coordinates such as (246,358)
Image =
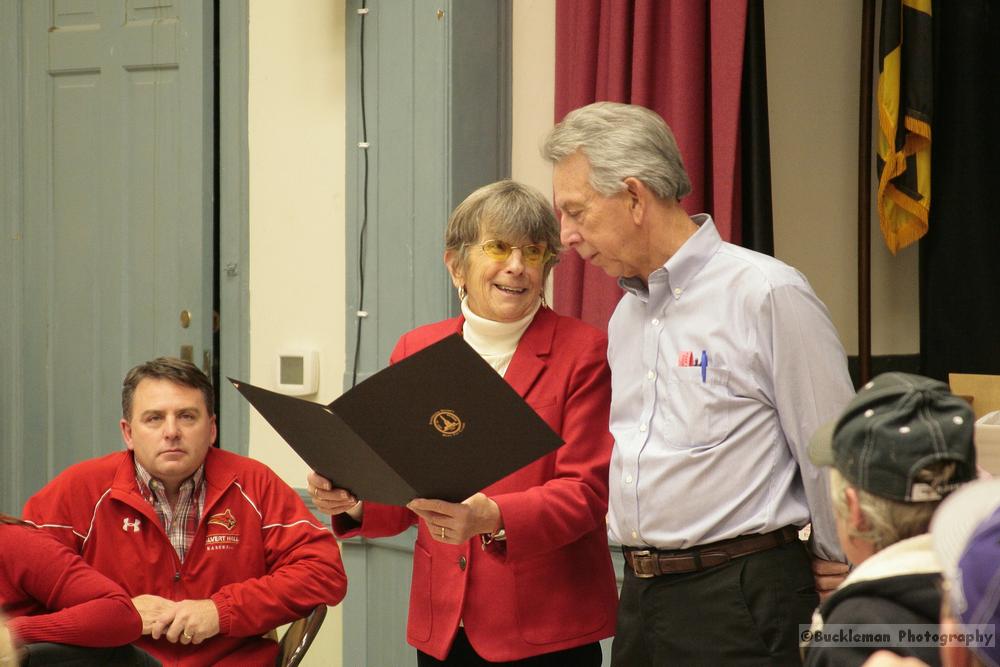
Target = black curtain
(755,142)
(960,255)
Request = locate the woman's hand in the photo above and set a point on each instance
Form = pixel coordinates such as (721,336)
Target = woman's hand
(333,501)
(455,523)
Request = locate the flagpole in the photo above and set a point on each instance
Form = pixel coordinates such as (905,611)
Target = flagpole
(865,193)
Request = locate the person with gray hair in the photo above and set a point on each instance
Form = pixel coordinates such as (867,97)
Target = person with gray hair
(518,573)
(899,448)
(723,363)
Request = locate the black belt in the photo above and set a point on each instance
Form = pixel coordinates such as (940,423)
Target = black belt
(649,562)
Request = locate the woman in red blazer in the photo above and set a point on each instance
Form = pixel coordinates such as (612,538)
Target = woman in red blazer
(520,571)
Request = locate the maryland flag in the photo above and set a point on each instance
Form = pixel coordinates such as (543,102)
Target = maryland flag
(905,94)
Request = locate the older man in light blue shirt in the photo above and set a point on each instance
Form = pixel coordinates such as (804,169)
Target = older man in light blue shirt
(723,364)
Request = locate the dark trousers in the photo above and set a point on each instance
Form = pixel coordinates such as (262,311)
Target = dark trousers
(463,655)
(745,612)
(63,655)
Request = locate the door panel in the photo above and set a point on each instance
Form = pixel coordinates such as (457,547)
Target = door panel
(117,224)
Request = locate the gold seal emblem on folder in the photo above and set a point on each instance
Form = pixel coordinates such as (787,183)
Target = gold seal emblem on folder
(447,423)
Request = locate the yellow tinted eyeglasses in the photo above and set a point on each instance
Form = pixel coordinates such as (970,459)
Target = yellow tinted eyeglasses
(500,251)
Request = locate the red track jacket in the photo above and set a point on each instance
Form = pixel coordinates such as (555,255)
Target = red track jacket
(550,586)
(259,554)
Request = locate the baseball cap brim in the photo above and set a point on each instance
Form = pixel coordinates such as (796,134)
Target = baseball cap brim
(821,444)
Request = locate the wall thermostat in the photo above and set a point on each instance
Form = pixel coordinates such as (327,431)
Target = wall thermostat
(298,372)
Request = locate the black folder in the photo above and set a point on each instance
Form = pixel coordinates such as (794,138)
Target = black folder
(439,424)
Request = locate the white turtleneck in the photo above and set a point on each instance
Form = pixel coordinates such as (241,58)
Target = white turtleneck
(494,341)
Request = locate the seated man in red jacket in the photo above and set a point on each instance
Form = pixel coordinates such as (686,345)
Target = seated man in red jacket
(213,547)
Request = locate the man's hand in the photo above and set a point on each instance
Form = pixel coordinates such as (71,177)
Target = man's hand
(333,501)
(191,622)
(455,523)
(151,608)
(828,575)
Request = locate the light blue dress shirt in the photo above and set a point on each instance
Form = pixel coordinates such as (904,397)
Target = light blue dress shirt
(706,453)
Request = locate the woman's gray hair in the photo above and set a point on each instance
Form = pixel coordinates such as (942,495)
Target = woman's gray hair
(621,141)
(507,210)
(889,521)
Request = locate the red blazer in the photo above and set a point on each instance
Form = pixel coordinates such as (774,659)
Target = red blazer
(550,586)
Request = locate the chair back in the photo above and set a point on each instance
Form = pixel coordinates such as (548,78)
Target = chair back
(299,636)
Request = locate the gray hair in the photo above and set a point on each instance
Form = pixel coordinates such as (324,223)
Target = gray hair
(175,370)
(510,210)
(621,141)
(889,521)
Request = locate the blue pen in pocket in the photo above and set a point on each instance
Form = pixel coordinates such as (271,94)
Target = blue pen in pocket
(704,365)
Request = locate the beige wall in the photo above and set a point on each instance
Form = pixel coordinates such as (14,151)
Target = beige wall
(297,266)
(296,172)
(813,56)
(533,98)
(533,94)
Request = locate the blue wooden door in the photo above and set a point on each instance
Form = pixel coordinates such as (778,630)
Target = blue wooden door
(112,251)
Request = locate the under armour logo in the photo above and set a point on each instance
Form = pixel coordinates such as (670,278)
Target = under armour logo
(133,524)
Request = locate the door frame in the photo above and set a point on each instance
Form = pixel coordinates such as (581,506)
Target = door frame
(234,219)
(11,253)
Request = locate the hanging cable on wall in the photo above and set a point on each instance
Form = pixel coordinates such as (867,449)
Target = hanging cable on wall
(363,146)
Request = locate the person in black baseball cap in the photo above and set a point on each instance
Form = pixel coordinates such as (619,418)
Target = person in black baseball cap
(900,446)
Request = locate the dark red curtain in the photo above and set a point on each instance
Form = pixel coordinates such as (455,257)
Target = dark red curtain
(681,58)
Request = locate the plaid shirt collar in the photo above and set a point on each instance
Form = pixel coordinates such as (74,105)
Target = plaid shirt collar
(181,521)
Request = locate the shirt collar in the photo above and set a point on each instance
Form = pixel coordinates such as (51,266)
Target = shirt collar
(684,264)
(152,489)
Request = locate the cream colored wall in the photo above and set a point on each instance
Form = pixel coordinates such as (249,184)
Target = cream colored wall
(296,121)
(813,56)
(533,94)
(297,266)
